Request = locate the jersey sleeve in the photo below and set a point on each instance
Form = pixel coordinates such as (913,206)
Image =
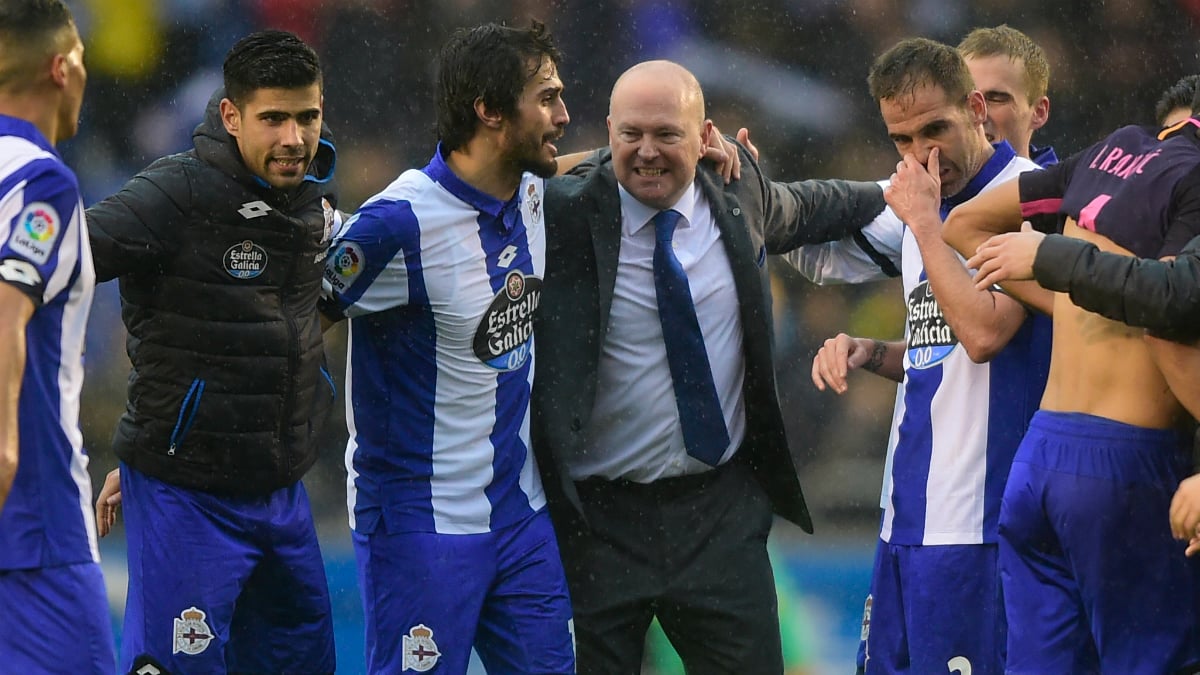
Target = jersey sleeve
(40,223)
(373,261)
(1041,194)
(135,230)
(871,254)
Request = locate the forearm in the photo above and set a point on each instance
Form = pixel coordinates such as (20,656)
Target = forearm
(12,368)
(815,211)
(886,360)
(982,320)
(995,211)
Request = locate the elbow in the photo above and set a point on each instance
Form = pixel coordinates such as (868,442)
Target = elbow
(981,348)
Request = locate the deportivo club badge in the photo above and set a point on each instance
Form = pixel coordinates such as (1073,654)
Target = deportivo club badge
(420,651)
(192,634)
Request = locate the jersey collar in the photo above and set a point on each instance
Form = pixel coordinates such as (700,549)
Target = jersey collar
(443,175)
(1003,154)
(15,126)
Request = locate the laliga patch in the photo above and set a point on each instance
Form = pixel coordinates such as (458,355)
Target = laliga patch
(420,651)
(245,260)
(192,634)
(502,340)
(344,266)
(34,232)
(930,341)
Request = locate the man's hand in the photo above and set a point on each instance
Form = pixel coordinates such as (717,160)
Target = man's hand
(1185,513)
(1006,257)
(723,155)
(743,136)
(915,192)
(837,357)
(108,502)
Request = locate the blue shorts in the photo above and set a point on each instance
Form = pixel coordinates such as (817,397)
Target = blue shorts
(55,620)
(934,609)
(220,583)
(429,598)
(1093,580)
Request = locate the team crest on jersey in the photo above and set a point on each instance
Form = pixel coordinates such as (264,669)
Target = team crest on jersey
(344,266)
(35,232)
(192,634)
(420,651)
(327,208)
(930,339)
(245,260)
(504,336)
(533,200)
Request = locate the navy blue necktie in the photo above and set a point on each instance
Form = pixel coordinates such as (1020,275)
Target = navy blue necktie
(700,416)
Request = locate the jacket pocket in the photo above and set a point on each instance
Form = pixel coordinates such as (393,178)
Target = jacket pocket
(187,414)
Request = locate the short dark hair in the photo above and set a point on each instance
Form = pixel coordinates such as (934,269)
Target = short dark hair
(1004,40)
(29,29)
(917,61)
(489,62)
(1182,94)
(269,59)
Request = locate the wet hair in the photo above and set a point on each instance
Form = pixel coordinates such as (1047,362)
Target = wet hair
(269,59)
(29,30)
(915,62)
(492,63)
(1182,94)
(1004,40)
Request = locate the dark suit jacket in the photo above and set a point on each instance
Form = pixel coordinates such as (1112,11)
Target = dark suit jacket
(755,217)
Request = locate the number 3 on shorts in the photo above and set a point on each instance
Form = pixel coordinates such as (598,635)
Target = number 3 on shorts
(959,665)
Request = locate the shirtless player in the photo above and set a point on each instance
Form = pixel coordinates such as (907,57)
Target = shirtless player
(1093,578)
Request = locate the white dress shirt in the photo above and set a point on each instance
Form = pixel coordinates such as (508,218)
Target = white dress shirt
(634,431)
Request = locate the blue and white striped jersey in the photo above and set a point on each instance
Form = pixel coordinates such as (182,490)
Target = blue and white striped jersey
(957,424)
(440,282)
(44,253)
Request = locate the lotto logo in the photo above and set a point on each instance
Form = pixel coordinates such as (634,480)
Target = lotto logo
(251,210)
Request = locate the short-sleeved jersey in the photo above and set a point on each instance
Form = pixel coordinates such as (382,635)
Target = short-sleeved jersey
(1139,187)
(957,424)
(44,253)
(440,282)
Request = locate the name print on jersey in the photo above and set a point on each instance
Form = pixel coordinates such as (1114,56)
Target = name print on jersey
(506,328)
(930,339)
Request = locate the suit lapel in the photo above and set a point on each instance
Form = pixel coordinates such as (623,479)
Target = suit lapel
(735,234)
(606,241)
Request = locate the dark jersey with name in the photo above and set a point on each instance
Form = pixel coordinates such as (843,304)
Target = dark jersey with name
(1137,188)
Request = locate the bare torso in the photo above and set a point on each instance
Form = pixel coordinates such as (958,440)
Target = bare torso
(1105,368)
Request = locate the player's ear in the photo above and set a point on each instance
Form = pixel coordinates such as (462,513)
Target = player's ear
(487,116)
(231,117)
(1041,113)
(977,104)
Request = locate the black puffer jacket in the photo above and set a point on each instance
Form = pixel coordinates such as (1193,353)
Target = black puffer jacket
(219,276)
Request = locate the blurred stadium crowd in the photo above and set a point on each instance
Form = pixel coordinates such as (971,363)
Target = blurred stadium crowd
(792,70)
